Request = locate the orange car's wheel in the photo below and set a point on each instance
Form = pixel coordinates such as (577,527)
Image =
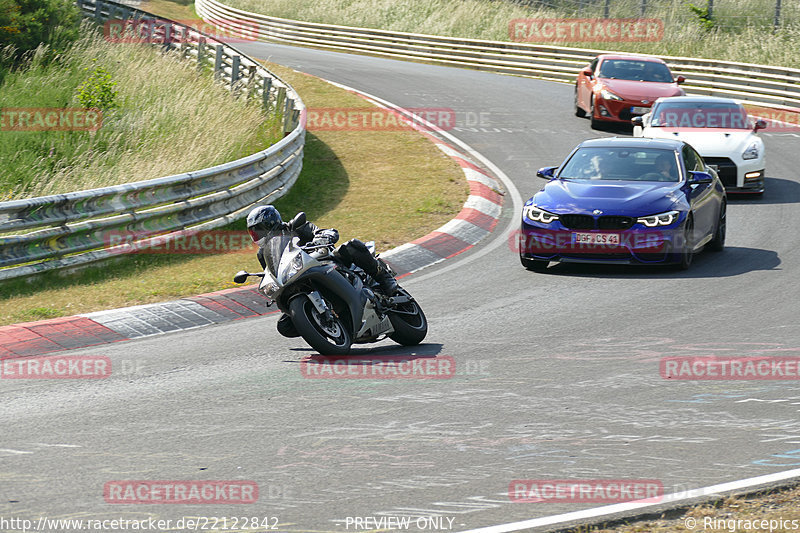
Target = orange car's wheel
(579,111)
(595,123)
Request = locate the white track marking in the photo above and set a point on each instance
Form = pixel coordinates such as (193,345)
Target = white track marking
(644,505)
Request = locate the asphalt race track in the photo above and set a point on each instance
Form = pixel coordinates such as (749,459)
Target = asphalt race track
(557,373)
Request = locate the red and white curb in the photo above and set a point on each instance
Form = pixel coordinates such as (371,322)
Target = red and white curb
(477,219)
(479,214)
(103,327)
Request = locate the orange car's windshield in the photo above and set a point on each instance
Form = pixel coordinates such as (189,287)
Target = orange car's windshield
(631,69)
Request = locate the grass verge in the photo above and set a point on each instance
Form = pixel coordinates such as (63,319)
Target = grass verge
(775,511)
(167,120)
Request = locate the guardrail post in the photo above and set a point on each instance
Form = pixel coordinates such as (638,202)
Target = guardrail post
(267,85)
(288,104)
(98,11)
(252,82)
(280,98)
(168,38)
(185,43)
(201,50)
(218,62)
(235,69)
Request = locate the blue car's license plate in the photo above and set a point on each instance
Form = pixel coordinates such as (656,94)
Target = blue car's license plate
(596,238)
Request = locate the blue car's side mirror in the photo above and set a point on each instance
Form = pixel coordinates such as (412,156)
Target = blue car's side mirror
(546,172)
(695,176)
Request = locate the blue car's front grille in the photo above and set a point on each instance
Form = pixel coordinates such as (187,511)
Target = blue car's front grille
(613,222)
(577,221)
(589,222)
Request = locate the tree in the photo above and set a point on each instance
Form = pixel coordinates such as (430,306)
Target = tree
(25,24)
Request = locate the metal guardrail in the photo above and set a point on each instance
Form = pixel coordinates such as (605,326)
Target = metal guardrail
(760,84)
(74,229)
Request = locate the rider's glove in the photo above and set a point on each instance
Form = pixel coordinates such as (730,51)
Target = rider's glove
(327,236)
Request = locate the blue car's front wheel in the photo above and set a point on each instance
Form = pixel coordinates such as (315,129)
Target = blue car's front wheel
(717,244)
(687,246)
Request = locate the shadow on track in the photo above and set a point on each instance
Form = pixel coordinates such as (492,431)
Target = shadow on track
(378,353)
(733,261)
(776,191)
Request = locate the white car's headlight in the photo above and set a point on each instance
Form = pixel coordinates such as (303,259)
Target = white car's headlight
(751,152)
(662,219)
(539,215)
(605,94)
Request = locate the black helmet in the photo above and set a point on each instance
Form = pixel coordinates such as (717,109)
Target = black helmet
(263,221)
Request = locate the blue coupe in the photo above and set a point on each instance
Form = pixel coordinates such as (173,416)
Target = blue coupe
(623,200)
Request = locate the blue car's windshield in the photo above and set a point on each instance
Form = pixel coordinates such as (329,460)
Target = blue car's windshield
(635,70)
(624,164)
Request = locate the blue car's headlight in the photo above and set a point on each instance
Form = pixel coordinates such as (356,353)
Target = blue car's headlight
(661,219)
(539,215)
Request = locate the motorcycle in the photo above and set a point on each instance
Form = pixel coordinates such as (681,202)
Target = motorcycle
(333,305)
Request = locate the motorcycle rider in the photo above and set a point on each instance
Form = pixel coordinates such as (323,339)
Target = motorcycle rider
(265,221)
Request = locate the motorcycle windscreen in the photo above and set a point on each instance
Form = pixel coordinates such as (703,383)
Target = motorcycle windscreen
(273,250)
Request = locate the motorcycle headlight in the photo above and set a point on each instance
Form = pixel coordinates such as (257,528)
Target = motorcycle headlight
(605,94)
(751,152)
(269,286)
(662,219)
(293,268)
(539,215)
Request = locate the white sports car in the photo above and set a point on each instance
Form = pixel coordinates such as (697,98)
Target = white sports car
(721,132)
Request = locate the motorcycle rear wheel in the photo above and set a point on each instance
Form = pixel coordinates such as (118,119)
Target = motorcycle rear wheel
(327,339)
(409,322)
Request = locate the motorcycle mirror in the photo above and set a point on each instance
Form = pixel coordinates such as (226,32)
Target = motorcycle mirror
(298,220)
(241,277)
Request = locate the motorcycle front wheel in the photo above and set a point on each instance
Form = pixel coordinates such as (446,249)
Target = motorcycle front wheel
(409,322)
(327,337)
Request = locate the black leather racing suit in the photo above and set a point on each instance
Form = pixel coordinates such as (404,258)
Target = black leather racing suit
(352,252)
